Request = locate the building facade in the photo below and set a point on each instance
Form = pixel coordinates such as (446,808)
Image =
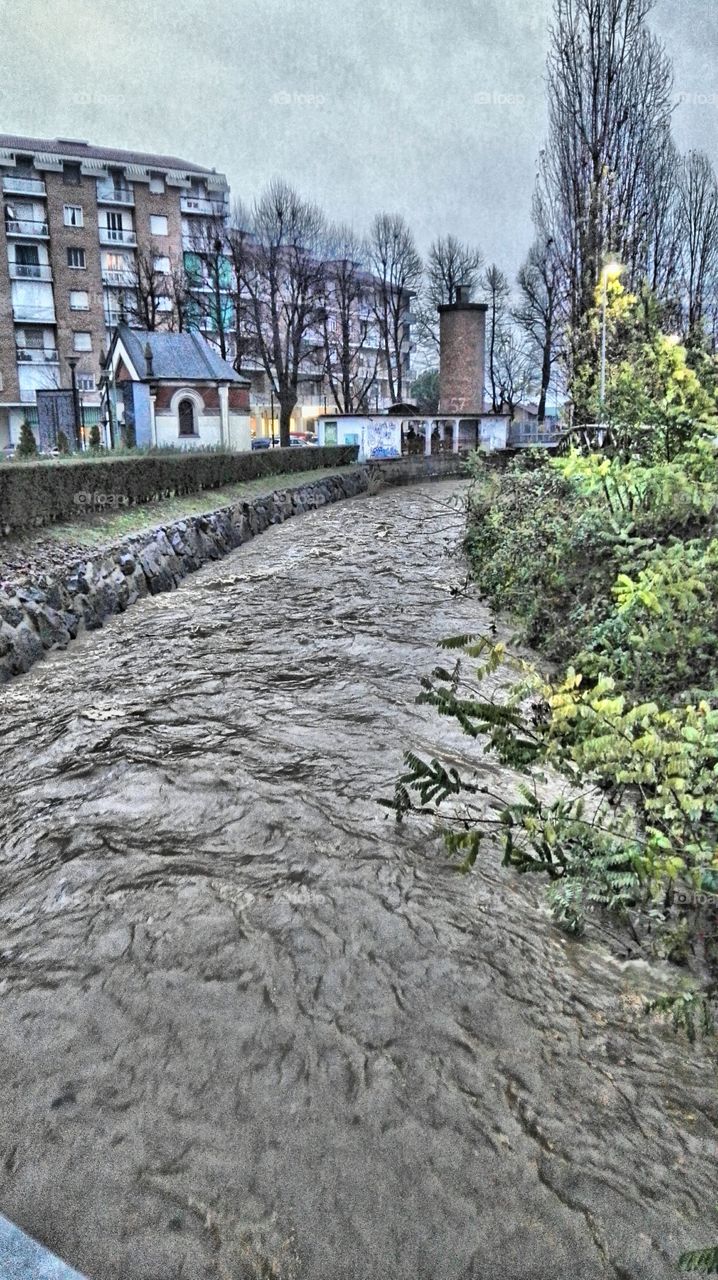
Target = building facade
(88,234)
(94,237)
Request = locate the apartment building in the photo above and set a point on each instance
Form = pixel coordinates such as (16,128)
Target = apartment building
(79,223)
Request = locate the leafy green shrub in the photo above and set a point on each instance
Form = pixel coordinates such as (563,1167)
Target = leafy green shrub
(63,444)
(26,445)
(637,816)
(95,438)
(45,491)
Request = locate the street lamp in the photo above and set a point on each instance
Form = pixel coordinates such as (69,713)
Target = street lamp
(611,271)
(72,362)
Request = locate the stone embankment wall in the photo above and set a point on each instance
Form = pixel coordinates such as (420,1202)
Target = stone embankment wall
(48,612)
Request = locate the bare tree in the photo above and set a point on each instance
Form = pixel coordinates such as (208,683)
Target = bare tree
(152,287)
(397,267)
(496,289)
(451,264)
(211,283)
(515,367)
(350,356)
(609,90)
(538,311)
(278,261)
(698,196)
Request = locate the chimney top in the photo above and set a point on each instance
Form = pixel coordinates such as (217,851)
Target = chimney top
(148,359)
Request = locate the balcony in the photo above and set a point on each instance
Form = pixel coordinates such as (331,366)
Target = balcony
(28,228)
(113,235)
(119,279)
(115,195)
(200,204)
(37,355)
(33,315)
(14,185)
(30,271)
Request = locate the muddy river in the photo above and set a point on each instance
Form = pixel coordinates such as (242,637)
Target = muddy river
(252,1029)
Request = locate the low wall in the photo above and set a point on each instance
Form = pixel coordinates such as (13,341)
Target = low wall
(415,469)
(49,613)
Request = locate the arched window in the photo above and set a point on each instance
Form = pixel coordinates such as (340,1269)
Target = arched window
(186,418)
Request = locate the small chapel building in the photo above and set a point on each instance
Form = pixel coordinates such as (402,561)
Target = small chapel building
(173,389)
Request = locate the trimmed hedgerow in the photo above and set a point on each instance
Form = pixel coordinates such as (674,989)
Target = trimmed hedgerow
(40,492)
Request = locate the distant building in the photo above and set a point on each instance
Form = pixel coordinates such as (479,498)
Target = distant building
(173,389)
(96,237)
(76,219)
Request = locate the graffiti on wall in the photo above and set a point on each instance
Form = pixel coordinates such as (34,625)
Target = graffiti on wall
(384,439)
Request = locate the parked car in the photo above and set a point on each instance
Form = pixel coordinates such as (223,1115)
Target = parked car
(262,442)
(301,438)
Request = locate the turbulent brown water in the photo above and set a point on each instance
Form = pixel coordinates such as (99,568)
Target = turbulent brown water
(249,1024)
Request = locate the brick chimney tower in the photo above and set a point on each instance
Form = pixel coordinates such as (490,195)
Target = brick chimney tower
(462,353)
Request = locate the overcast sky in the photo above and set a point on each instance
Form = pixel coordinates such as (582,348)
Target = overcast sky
(433,109)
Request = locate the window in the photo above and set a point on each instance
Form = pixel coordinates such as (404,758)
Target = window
(82,341)
(27,255)
(157,186)
(162,265)
(71,174)
(158,224)
(186,418)
(76,259)
(85,382)
(163,304)
(74,216)
(79,300)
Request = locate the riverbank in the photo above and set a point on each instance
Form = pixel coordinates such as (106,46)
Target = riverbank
(72,578)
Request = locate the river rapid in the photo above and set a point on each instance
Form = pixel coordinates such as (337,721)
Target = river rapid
(250,1028)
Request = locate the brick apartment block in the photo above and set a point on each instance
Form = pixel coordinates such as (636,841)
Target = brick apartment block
(75,219)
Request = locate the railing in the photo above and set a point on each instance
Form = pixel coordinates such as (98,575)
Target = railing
(587,438)
(33,315)
(37,355)
(121,279)
(199,204)
(28,227)
(23,186)
(115,195)
(30,271)
(113,235)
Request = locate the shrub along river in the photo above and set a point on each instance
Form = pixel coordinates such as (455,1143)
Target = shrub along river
(247,1022)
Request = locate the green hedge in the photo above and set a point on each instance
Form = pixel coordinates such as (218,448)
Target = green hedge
(34,493)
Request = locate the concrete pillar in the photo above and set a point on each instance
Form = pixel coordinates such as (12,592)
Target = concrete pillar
(427,437)
(153,420)
(224,416)
(455,436)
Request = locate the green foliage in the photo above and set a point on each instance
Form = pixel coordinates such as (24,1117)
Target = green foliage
(63,444)
(425,391)
(689,1011)
(26,445)
(705,1260)
(95,438)
(34,492)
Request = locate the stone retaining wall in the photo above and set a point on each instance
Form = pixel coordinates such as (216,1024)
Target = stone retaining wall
(49,612)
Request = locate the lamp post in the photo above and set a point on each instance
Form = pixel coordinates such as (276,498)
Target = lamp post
(271,400)
(611,271)
(72,362)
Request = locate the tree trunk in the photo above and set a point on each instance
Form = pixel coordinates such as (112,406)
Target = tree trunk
(285,421)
